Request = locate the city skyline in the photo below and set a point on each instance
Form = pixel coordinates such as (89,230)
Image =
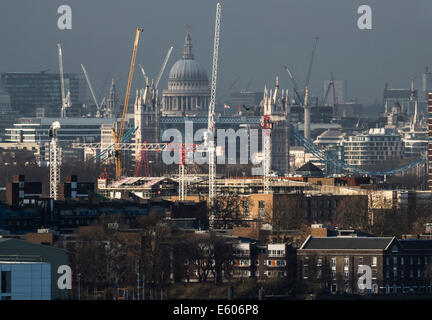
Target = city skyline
(273,34)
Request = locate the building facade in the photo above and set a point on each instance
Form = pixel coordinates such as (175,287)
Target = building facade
(374,146)
(29,91)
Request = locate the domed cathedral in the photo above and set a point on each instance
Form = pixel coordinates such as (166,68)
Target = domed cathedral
(188,92)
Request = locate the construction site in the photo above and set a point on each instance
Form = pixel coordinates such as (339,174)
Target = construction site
(281,128)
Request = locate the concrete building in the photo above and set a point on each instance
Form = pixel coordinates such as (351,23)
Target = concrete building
(415,144)
(7,115)
(426,84)
(373,146)
(35,130)
(188,90)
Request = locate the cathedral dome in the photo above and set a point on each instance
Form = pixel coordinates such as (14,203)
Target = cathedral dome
(187,69)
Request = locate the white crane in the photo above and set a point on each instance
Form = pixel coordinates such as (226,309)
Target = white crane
(143,72)
(98,109)
(54,161)
(163,67)
(209,138)
(66,102)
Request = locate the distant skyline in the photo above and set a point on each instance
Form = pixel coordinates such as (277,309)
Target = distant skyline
(258,38)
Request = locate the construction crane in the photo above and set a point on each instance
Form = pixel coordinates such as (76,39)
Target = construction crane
(163,67)
(327,93)
(295,87)
(98,109)
(311,62)
(66,102)
(181,148)
(335,101)
(143,73)
(306,108)
(209,137)
(118,137)
(54,161)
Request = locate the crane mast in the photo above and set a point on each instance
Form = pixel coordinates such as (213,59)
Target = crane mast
(65,98)
(163,67)
(118,138)
(91,90)
(335,107)
(211,121)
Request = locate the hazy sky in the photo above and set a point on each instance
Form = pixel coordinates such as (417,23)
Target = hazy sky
(257,39)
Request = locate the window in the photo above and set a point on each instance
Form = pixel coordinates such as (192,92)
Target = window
(5,282)
(425,260)
(374,274)
(346,274)
(333,262)
(374,261)
(333,274)
(319,262)
(346,262)
(418,273)
(261,207)
(411,273)
(411,260)
(419,260)
(246,208)
(402,274)
(387,273)
(305,273)
(395,272)
(402,261)
(387,260)
(395,260)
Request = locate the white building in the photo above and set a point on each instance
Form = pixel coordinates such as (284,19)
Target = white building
(35,130)
(25,280)
(373,146)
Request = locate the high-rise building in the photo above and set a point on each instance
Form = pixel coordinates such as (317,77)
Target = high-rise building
(430,142)
(340,90)
(29,91)
(7,116)
(426,83)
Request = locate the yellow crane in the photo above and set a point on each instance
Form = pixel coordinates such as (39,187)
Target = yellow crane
(118,138)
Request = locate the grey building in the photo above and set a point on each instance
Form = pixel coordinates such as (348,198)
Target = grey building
(29,91)
(24,251)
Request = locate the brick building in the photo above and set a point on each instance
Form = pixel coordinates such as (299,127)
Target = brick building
(398,266)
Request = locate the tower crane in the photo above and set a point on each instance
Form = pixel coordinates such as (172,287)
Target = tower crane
(118,137)
(209,137)
(335,101)
(299,98)
(66,102)
(163,67)
(98,106)
(311,62)
(143,72)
